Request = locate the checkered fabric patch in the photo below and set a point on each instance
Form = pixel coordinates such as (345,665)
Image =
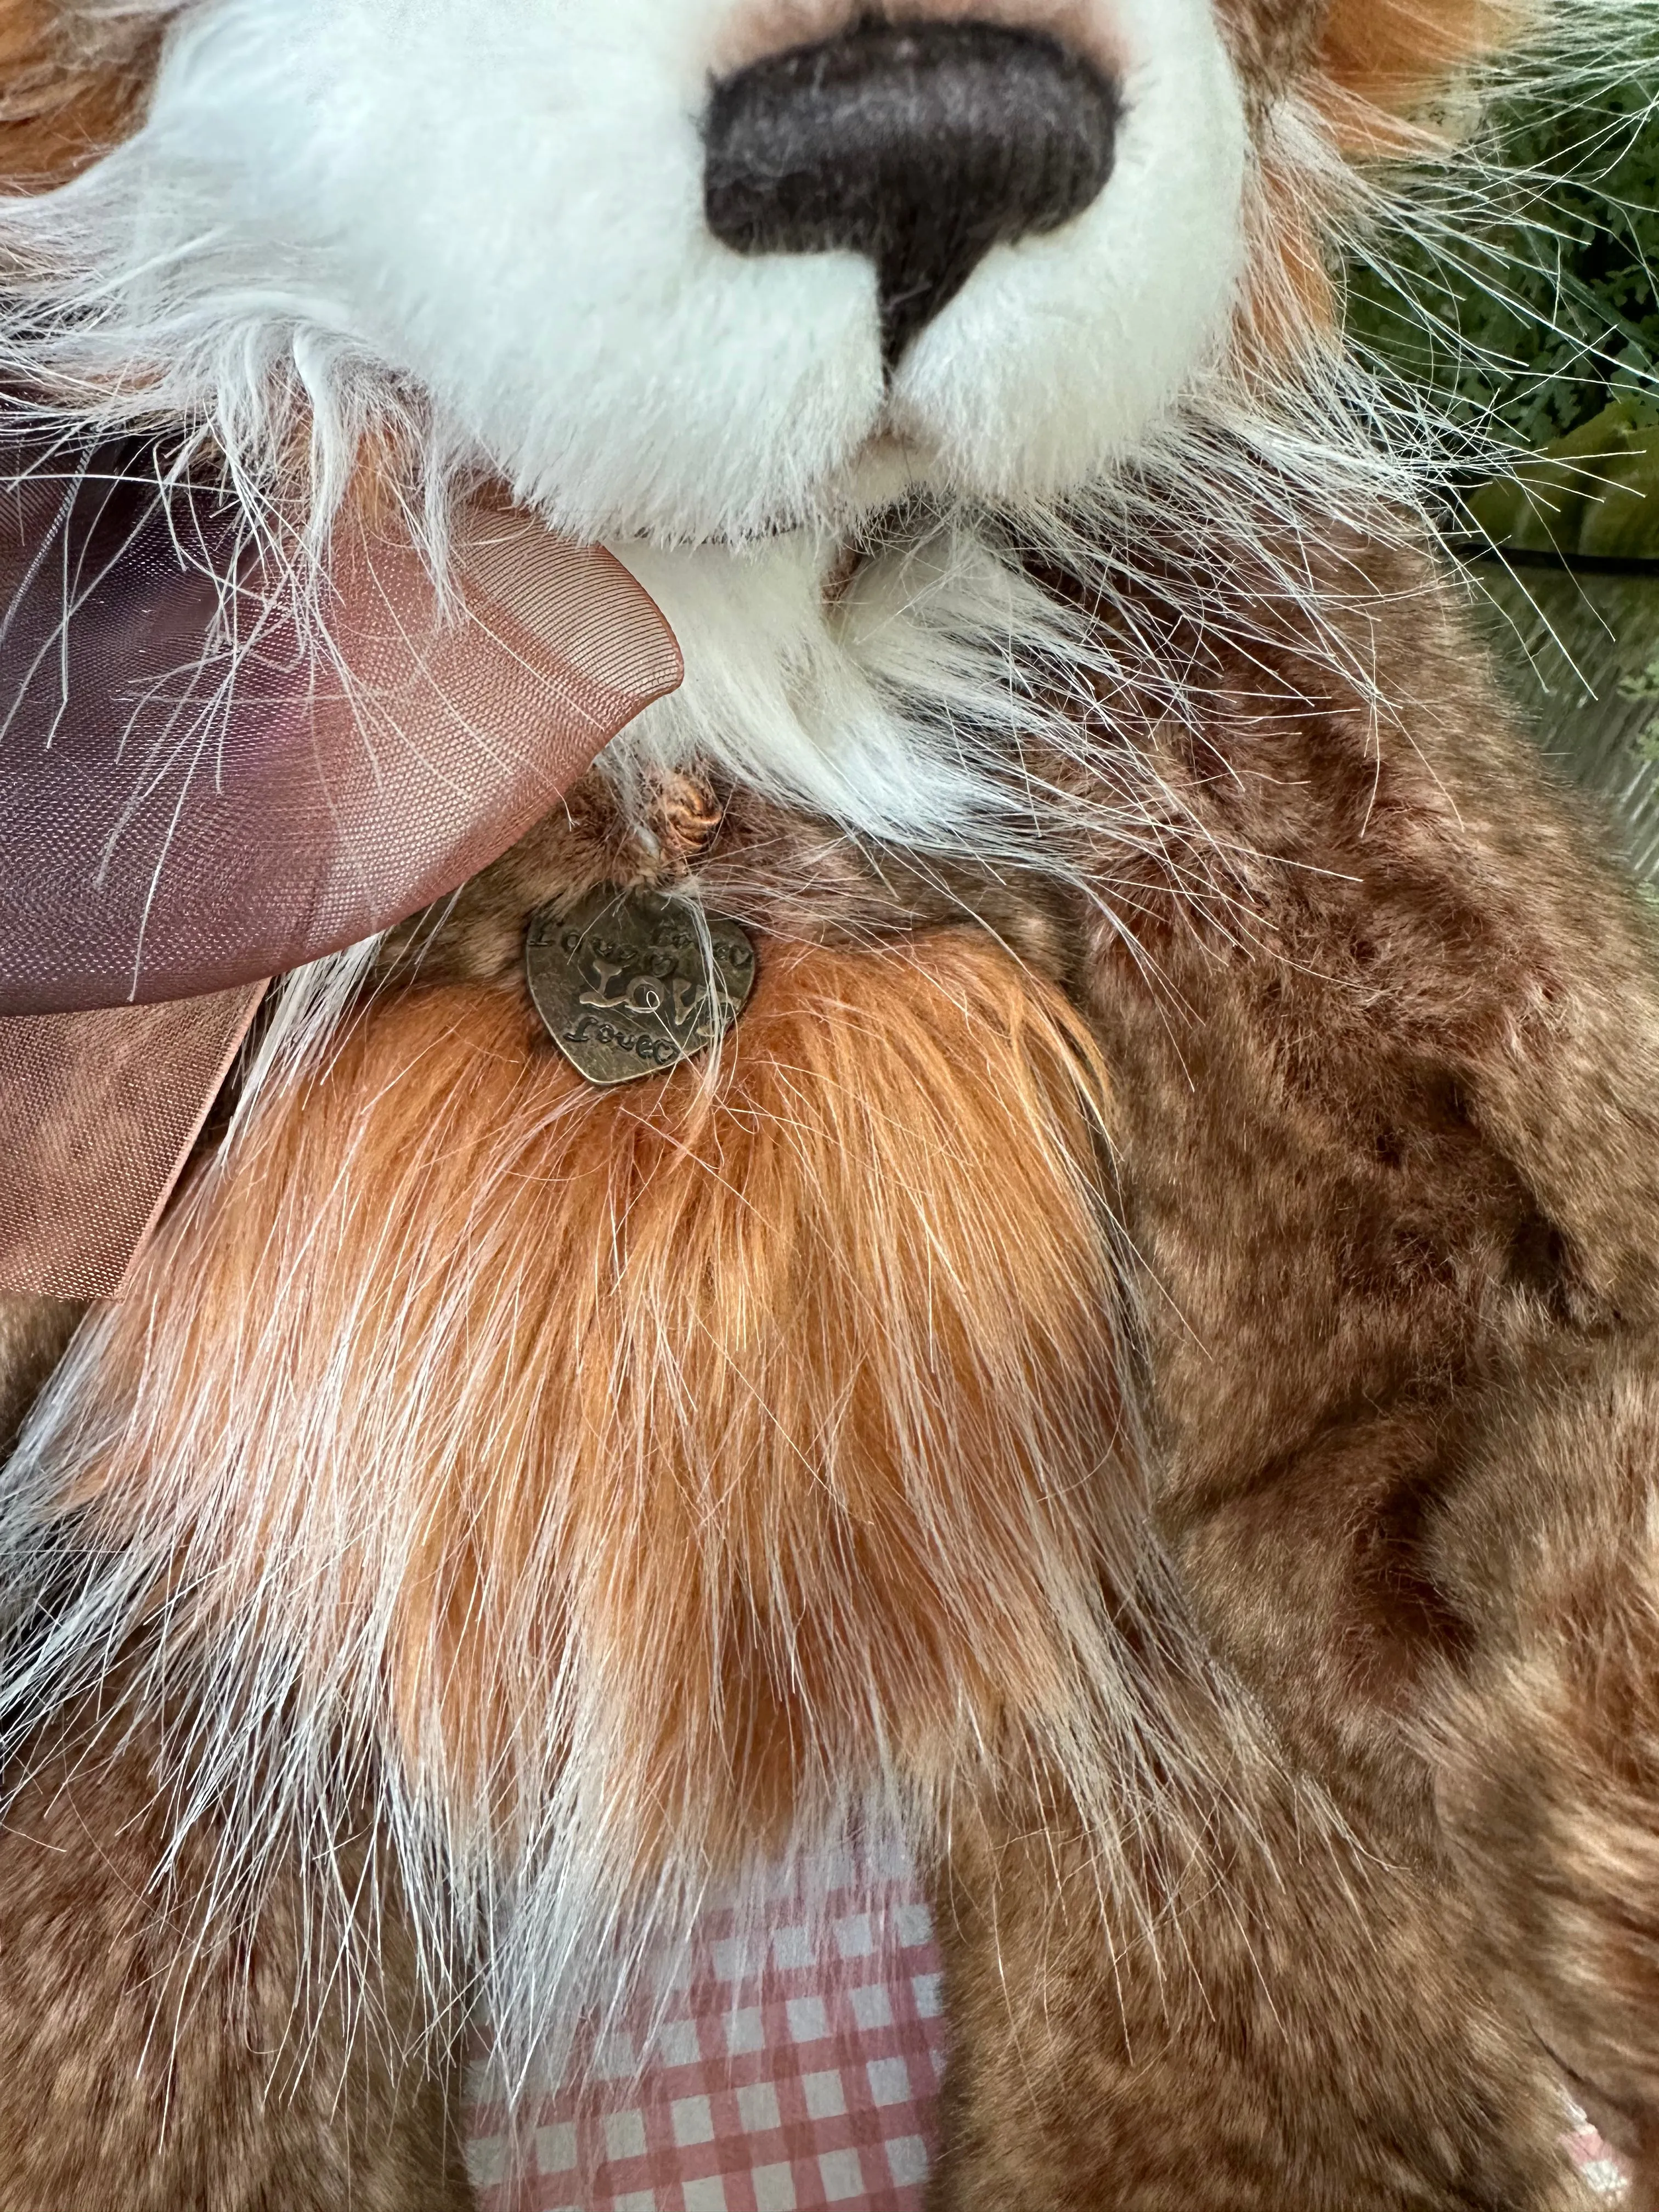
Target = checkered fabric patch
(796,2066)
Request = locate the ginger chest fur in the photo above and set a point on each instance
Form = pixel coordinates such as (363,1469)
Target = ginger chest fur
(684,1455)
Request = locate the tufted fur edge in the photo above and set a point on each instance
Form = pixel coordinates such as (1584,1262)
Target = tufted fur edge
(636,1480)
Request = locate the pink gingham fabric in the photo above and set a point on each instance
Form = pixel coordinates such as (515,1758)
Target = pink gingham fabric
(796,2067)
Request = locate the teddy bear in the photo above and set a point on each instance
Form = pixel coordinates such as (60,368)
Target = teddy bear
(1025,1211)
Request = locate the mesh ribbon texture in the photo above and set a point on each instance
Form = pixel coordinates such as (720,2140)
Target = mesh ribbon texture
(198,792)
(98,1113)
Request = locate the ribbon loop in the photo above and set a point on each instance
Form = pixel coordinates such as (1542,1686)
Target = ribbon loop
(202,785)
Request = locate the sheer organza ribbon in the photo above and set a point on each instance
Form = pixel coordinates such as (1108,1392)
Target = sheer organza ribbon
(200,790)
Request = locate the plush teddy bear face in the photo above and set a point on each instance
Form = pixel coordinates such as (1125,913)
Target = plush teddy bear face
(697,268)
(514,203)
(734,276)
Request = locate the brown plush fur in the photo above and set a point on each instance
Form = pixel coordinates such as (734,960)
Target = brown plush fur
(1390,1153)
(33,1333)
(1547,1765)
(1296,2026)
(157,2056)
(1384,1124)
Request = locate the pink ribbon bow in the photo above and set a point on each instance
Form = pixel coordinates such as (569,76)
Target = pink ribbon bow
(198,792)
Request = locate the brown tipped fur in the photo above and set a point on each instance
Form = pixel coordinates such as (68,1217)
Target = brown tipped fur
(1547,1760)
(34,1335)
(158,2055)
(1290,2023)
(72,84)
(1389,1151)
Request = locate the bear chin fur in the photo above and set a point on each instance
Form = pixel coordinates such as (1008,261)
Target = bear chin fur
(1134,1363)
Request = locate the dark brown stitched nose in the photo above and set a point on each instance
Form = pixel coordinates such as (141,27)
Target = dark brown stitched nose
(922,145)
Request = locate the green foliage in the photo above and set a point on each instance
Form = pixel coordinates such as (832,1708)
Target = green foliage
(1593,494)
(1535,319)
(1645,686)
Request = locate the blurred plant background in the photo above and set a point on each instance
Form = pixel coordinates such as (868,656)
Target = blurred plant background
(1531,311)
(1527,312)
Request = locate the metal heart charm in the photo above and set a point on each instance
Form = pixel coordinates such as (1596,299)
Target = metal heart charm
(631,982)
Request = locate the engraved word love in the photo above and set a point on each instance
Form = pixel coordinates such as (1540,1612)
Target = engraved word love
(631,982)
